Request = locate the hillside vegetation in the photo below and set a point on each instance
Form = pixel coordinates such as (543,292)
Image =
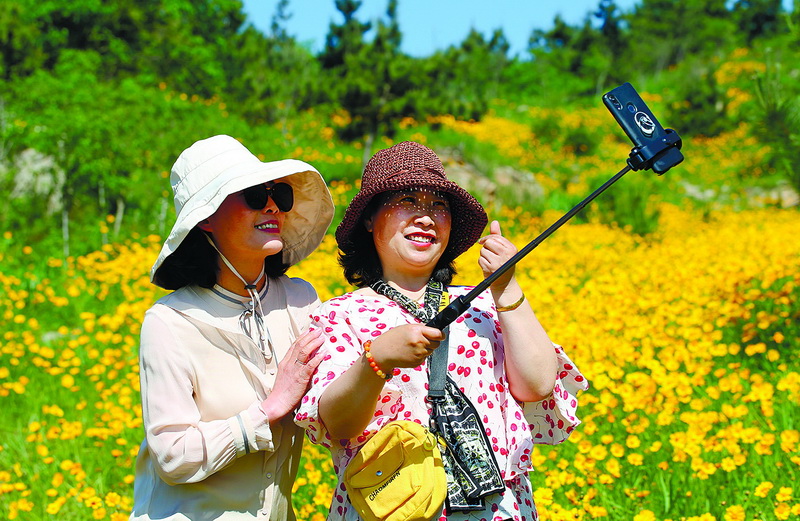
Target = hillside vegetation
(99,98)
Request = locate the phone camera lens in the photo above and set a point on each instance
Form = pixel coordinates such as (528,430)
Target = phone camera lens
(614,101)
(631,108)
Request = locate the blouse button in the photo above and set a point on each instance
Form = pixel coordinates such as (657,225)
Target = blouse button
(269,475)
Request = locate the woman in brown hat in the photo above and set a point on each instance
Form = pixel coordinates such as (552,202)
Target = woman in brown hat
(223,357)
(399,238)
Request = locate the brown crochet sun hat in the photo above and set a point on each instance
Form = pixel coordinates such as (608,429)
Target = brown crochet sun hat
(412,165)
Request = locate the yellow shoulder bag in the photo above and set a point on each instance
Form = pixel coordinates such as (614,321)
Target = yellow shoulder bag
(397,475)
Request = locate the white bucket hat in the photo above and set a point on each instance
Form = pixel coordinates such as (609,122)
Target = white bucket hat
(212,169)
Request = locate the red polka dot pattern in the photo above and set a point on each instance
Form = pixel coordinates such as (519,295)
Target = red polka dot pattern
(476,364)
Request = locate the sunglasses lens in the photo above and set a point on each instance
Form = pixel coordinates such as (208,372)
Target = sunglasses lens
(283,196)
(256,197)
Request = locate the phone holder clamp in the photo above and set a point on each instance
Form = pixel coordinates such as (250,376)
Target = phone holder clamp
(642,158)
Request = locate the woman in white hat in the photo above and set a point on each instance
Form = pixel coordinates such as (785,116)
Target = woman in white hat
(223,358)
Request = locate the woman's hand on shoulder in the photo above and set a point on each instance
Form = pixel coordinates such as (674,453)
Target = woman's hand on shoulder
(405,346)
(294,373)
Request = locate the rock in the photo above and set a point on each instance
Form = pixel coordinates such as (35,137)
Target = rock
(505,185)
(781,195)
(35,174)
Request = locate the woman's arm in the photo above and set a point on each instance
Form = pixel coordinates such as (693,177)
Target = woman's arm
(348,403)
(184,448)
(530,358)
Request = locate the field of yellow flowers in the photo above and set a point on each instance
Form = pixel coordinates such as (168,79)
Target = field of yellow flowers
(689,339)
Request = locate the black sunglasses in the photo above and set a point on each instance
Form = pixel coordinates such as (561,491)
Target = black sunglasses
(257,196)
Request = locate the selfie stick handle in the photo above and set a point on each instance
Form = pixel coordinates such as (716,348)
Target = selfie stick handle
(460,304)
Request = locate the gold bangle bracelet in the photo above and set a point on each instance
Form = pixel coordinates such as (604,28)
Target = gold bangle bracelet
(513,306)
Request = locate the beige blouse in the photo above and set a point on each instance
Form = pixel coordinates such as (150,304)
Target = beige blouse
(209,452)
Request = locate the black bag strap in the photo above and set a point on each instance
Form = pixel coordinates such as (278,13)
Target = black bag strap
(437,363)
(437,369)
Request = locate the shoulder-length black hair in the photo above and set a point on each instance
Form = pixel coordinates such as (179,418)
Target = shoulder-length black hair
(195,261)
(361,264)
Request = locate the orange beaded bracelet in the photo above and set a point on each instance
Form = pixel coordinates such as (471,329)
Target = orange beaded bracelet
(372,363)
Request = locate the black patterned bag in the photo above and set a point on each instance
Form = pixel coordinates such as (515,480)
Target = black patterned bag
(472,471)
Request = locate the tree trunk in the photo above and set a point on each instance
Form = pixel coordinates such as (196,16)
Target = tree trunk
(162,217)
(101,194)
(65,230)
(118,217)
(368,141)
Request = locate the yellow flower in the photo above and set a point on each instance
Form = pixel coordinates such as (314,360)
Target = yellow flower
(613,468)
(645,515)
(632,442)
(635,459)
(763,489)
(323,495)
(598,452)
(89,496)
(617,450)
(596,511)
(784,494)
(113,499)
(782,511)
(789,440)
(67,381)
(543,496)
(734,513)
(54,507)
(299,482)
(728,465)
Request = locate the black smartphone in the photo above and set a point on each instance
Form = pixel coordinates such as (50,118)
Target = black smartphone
(641,126)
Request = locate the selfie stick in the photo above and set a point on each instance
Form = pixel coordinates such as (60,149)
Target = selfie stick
(641,158)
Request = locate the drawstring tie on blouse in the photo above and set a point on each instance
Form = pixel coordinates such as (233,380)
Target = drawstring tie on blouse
(255,311)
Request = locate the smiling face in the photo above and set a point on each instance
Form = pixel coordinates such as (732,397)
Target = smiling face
(411,229)
(244,235)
